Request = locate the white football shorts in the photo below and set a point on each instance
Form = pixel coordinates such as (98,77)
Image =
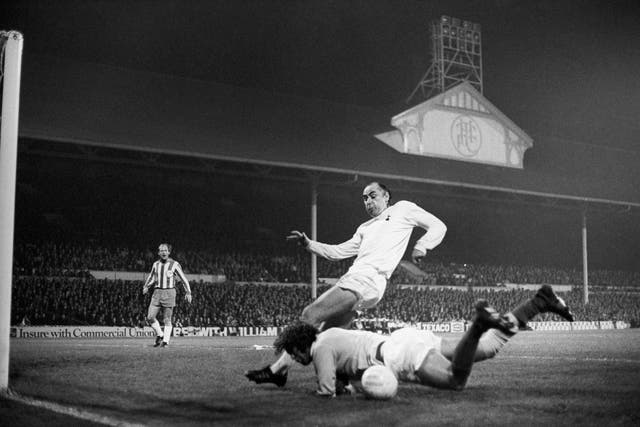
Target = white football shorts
(405,349)
(369,289)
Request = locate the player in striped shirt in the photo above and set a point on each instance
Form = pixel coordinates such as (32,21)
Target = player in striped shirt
(163,275)
(378,245)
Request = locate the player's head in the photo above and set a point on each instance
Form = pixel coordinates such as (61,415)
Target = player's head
(376,197)
(164,249)
(296,340)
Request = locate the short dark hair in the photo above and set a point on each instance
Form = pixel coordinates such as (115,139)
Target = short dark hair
(298,335)
(383,187)
(167,245)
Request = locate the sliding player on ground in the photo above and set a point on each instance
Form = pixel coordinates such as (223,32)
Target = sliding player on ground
(341,356)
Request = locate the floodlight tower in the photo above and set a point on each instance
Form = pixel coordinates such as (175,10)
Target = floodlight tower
(456,57)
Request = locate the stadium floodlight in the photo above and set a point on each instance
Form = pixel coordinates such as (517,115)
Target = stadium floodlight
(11,61)
(456,57)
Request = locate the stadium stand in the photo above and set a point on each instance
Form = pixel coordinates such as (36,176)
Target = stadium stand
(67,260)
(87,301)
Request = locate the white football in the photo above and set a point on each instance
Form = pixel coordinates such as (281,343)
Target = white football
(379,382)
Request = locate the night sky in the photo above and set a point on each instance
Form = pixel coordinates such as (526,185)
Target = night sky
(566,69)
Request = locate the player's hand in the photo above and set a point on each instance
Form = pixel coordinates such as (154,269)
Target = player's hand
(188,298)
(417,255)
(145,290)
(300,238)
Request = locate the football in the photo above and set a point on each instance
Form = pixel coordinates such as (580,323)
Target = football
(379,382)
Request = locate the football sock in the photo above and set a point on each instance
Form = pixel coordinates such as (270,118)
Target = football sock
(282,365)
(528,310)
(465,352)
(167,333)
(490,344)
(155,325)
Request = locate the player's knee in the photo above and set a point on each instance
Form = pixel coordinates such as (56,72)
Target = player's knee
(151,319)
(310,315)
(444,381)
(486,351)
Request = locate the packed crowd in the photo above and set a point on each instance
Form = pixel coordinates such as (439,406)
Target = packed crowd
(53,286)
(86,301)
(39,300)
(492,275)
(417,304)
(289,266)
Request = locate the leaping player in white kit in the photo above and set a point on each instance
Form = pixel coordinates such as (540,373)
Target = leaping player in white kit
(378,245)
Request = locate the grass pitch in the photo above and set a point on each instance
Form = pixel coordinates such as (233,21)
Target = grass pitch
(540,378)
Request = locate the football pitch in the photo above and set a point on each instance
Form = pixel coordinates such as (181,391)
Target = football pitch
(540,378)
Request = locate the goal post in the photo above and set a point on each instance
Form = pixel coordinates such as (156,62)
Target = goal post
(11,61)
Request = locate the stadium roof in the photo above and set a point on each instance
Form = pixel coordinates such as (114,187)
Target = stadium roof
(91,104)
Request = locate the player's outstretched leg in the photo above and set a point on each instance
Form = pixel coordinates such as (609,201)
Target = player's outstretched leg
(265,375)
(545,301)
(553,303)
(491,342)
(437,371)
(465,353)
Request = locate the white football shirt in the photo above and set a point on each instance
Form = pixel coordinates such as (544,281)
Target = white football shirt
(342,351)
(380,243)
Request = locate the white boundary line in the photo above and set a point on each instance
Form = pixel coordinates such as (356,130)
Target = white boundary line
(67,410)
(572,359)
(172,347)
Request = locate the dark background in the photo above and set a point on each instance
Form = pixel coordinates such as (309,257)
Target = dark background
(560,68)
(566,70)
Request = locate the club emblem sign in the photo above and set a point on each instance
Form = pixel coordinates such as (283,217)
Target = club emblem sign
(465,136)
(459,124)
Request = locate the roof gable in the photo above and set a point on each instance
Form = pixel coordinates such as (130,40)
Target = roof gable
(459,124)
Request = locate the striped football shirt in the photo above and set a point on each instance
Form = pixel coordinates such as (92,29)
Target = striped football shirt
(163,274)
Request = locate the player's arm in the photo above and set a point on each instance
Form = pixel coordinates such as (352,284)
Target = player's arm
(435,230)
(324,363)
(331,252)
(185,282)
(151,278)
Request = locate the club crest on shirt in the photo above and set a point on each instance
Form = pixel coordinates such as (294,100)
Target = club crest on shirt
(169,273)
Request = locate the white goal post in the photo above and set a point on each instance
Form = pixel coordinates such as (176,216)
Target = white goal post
(11,62)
